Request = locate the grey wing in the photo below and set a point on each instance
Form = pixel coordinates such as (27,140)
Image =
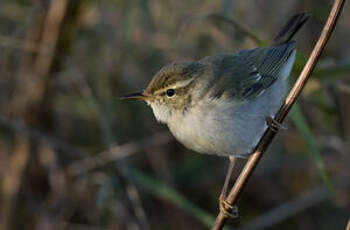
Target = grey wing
(269,61)
(247,74)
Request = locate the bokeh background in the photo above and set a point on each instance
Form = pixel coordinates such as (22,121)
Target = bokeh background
(73,156)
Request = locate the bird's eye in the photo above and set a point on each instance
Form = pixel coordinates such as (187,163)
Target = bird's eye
(170,92)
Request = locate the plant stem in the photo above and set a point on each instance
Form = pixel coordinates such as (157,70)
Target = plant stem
(294,93)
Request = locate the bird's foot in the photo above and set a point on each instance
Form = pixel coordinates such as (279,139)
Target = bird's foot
(227,209)
(274,125)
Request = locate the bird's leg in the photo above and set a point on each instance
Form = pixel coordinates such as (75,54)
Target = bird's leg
(227,209)
(274,125)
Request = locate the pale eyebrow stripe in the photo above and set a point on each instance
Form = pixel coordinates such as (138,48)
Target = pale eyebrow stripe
(177,85)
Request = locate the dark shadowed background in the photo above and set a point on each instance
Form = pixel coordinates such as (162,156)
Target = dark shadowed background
(73,156)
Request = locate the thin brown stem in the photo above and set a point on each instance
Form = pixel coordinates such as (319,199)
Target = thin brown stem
(31,95)
(294,93)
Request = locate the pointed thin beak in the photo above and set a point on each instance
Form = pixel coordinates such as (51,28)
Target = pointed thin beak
(137,96)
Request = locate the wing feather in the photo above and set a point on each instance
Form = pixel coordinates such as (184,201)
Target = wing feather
(247,74)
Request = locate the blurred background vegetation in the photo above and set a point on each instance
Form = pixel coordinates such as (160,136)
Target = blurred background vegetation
(73,156)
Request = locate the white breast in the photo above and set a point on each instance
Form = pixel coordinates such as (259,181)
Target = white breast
(219,126)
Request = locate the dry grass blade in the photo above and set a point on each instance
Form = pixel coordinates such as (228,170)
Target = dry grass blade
(115,153)
(295,92)
(27,46)
(288,209)
(238,26)
(307,200)
(30,94)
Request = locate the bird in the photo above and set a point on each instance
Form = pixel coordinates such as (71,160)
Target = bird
(223,104)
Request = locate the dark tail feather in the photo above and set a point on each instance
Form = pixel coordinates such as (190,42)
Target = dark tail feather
(291,28)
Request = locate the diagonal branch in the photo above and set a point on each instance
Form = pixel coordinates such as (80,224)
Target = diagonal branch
(294,93)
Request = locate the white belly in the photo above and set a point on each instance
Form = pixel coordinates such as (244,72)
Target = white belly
(216,127)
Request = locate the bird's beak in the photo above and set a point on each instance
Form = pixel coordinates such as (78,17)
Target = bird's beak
(137,96)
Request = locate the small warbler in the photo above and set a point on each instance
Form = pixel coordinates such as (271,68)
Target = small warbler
(223,104)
